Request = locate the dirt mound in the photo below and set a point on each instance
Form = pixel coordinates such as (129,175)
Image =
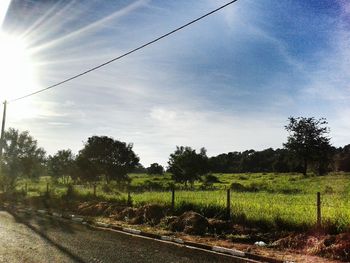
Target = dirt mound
(219,226)
(293,241)
(95,208)
(166,221)
(153,213)
(113,210)
(331,246)
(190,223)
(337,247)
(86,209)
(127,214)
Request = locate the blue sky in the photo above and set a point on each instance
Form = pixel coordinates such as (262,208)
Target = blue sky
(227,83)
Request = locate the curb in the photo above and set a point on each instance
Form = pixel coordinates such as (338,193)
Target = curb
(104,226)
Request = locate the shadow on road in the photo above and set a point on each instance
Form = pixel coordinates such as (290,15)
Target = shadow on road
(44,226)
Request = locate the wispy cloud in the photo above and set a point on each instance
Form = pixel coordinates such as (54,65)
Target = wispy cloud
(94,25)
(227,83)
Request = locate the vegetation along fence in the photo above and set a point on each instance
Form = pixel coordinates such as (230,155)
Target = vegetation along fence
(263,209)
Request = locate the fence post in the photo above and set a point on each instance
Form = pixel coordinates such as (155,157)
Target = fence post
(94,189)
(47,188)
(173,198)
(228,204)
(319,222)
(129,196)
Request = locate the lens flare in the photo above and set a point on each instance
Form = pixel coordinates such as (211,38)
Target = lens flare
(17,68)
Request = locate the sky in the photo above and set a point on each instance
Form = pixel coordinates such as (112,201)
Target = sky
(226,83)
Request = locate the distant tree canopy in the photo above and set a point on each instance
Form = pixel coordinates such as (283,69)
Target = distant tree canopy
(187,166)
(342,159)
(139,169)
(308,140)
(251,161)
(155,168)
(104,156)
(307,147)
(62,165)
(22,157)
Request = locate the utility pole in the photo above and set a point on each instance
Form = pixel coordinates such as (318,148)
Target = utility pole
(3,129)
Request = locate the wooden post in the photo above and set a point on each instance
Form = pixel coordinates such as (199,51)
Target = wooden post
(2,141)
(228,204)
(94,189)
(47,188)
(129,198)
(173,198)
(319,221)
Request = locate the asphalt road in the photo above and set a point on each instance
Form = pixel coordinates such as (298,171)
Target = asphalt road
(36,239)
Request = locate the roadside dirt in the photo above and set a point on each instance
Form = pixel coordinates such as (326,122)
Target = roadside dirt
(295,247)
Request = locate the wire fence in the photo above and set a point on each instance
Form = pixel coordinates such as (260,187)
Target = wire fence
(299,208)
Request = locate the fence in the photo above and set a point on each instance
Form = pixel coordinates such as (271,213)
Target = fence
(263,207)
(286,210)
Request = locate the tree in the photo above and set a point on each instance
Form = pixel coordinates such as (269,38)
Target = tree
(21,157)
(104,156)
(62,165)
(188,166)
(342,159)
(284,162)
(226,163)
(86,169)
(155,168)
(309,142)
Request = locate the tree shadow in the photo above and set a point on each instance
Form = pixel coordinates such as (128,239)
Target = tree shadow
(44,226)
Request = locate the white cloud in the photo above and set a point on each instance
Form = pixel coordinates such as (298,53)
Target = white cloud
(151,100)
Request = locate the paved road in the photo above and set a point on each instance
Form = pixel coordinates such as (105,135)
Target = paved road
(35,239)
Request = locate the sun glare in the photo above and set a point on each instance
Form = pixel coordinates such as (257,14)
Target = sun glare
(17,71)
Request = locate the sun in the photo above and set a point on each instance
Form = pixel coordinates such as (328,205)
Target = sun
(17,68)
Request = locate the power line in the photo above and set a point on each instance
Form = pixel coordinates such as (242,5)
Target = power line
(125,54)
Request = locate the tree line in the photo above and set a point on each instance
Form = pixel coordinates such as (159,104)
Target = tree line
(306,149)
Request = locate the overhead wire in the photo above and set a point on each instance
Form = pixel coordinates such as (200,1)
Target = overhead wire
(125,54)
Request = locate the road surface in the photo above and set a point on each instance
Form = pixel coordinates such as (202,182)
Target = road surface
(37,239)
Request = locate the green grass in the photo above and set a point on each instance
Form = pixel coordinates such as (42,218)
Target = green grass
(283,201)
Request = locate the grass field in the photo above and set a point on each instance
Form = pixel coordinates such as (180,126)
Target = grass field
(285,201)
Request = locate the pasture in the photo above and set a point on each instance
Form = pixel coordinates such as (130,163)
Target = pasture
(282,201)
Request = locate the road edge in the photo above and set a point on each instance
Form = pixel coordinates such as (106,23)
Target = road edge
(245,256)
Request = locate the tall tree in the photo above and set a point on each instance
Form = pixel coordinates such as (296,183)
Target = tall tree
(22,157)
(108,157)
(186,165)
(308,140)
(62,165)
